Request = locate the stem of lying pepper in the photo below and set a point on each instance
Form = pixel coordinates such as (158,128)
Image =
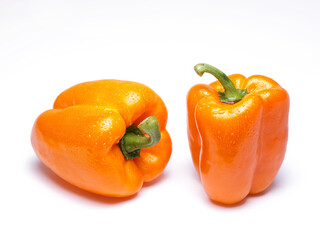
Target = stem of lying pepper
(231,94)
(134,139)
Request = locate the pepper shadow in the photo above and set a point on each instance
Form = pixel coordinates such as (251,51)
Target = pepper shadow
(159,179)
(45,174)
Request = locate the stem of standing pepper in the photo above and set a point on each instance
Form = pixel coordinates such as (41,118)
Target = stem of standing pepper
(231,94)
(134,139)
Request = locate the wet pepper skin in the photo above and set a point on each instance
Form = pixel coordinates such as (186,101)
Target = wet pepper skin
(78,138)
(237,149)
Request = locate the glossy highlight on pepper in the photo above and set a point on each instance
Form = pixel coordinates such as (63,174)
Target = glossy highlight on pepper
(238,132)
(106,136)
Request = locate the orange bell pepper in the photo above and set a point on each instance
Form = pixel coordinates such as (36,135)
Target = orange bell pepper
(238,131)
(106,136)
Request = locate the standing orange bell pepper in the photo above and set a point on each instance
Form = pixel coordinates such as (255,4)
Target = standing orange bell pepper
(238,131)
(106,136)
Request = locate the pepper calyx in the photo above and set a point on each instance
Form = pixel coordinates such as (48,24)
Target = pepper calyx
(134,139)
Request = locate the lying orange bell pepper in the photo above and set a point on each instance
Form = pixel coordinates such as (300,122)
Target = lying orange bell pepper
(238,131)
(106,136)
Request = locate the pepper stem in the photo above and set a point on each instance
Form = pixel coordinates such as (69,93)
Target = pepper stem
(231,94)
(134,139)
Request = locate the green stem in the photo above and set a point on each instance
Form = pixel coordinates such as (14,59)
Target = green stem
(134,139)
(231,94)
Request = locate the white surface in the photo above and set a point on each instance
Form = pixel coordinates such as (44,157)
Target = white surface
(48,46)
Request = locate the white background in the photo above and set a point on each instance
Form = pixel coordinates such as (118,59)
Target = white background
(48,46)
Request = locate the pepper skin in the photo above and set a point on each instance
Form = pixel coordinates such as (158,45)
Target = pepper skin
(237,146)
(79,138)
